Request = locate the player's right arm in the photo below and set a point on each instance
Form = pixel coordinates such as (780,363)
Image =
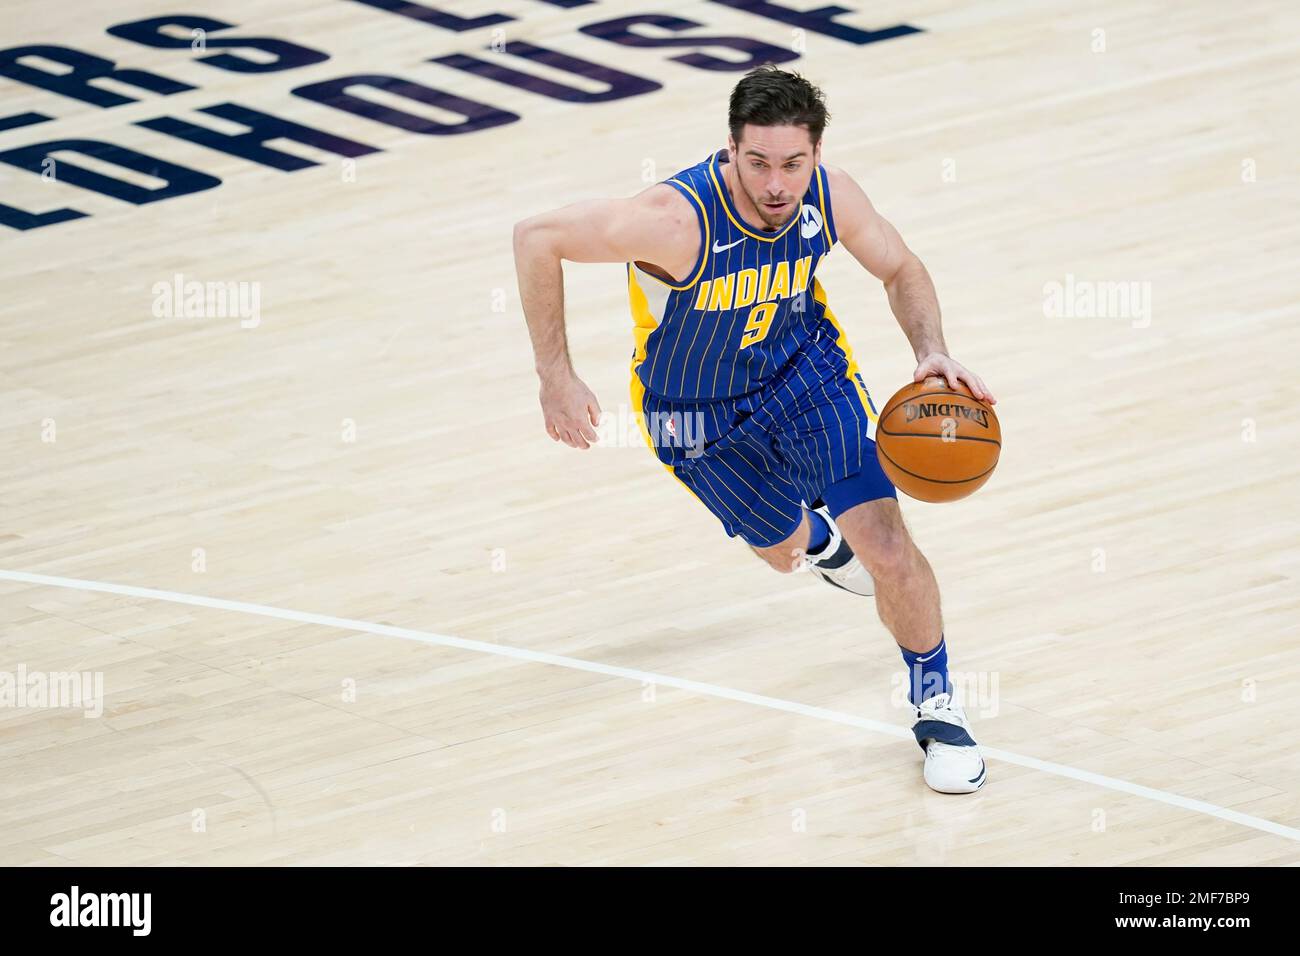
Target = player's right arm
(656,226)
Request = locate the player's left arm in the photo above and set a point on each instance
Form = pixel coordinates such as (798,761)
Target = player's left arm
(875,243)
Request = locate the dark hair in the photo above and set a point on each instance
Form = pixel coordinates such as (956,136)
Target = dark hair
(770,96)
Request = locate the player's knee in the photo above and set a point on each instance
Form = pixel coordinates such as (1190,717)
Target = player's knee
(890,557)
(886,552)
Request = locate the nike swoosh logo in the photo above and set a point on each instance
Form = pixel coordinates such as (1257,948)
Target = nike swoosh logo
(718,248)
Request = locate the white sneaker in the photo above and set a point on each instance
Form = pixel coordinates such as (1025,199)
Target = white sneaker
(952,758)
(837,564)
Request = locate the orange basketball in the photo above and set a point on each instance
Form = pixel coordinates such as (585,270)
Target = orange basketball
(937,443)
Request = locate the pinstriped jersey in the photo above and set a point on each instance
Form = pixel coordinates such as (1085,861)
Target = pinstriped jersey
(747,304)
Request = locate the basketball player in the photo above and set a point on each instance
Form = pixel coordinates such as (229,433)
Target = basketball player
(745,378)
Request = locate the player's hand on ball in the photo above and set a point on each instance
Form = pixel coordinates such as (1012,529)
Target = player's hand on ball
(570,410)
(939,365)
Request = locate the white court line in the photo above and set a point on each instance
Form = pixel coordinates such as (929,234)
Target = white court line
(708,690)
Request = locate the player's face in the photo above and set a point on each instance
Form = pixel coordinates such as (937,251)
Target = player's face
(774,165)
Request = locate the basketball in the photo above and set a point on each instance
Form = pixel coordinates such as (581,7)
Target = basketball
(937,443)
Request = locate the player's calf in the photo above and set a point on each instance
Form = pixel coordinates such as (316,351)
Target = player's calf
(788,555)
(907,595)
(832,559)
(818,545)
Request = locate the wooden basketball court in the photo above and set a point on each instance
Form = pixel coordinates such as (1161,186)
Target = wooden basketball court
(349,604)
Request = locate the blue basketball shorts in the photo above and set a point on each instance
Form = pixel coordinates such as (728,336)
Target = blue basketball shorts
(755,461)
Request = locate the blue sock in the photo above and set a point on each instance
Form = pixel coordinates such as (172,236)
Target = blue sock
(820,535)
(927,673)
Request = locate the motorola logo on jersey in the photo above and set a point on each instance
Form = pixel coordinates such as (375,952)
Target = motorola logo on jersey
(810,221)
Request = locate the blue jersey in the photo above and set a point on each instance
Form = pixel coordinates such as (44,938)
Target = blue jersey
(749,302)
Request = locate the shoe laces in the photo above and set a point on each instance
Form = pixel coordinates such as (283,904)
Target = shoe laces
(941,707)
